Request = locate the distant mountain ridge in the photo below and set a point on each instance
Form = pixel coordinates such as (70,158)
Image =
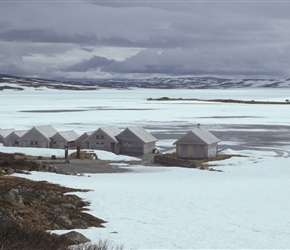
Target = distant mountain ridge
(20,83)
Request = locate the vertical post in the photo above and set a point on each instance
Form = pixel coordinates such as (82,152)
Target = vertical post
(65,152)
(78,152)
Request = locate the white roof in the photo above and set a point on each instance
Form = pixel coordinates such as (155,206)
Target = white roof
(19,132)
(84,136)
(69,135)
(111,131)
(47,131)
(5,132)
(142,134)
(201,133)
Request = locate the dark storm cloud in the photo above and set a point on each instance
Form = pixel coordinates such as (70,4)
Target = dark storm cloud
(193,62)
(94,63)
(172,37)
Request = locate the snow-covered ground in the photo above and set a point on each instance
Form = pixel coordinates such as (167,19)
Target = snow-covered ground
(244,206)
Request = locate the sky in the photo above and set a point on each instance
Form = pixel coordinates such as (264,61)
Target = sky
(143,39)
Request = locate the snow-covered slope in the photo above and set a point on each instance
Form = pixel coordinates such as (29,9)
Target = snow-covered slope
(20,83)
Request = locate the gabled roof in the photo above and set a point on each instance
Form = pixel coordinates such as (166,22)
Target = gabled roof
(84,136)
(110,131)
(47,131)
(201,133)
(67,135)
(18,133)
(142,134)
(5,132)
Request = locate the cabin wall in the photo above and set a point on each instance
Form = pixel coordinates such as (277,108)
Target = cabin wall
(100,141)
(130,144)
(190,151)
(58,141)
(149,147)
(79,141)
(11,140)
(34,139)
(198,151)
(212,150)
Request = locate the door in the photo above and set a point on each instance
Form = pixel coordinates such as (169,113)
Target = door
(113,147)
(184,150)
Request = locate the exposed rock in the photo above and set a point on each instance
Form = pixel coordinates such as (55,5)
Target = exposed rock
(13,196)
(68,206)
(62,221)
(6,216)
(73,238)
(79,223)
(44,204)
(9,170)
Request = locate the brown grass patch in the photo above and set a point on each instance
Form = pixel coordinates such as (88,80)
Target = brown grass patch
(84,154)
(203,163)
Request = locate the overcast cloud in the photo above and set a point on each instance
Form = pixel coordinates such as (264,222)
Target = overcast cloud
(97,39)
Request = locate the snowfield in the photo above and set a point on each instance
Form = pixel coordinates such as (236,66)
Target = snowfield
(246,206)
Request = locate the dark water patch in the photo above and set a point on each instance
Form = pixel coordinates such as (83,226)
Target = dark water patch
(81,110)
(54,111)
(227,117)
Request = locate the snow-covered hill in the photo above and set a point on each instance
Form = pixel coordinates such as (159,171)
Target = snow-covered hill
(20,83)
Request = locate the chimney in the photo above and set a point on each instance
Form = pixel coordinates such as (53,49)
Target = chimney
(198,126)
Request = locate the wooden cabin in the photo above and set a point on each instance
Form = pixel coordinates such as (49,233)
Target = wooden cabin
(136,141)
(37,137)
(64,139)
(197,143)
(103,139)
(84,136)
(12,139)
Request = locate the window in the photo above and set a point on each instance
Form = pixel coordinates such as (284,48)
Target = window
(16,142)
(36,143)
(31,143)
(100,137)
(127,144)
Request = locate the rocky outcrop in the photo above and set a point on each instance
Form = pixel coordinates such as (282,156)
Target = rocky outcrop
(40,203)
(74,238)
(45,204)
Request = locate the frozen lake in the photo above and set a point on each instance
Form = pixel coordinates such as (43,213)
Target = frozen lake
(237,125)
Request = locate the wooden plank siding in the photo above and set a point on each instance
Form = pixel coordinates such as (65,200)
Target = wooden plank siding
(103,139)
(136,141)
(79,141)
(12,139)
(197,144)
(37,137)
(64,139)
